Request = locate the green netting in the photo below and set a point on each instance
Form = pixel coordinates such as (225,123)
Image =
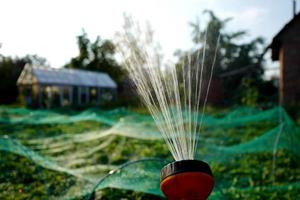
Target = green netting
(91,147)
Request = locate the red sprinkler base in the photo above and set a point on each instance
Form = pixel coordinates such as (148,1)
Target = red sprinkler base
(186,180)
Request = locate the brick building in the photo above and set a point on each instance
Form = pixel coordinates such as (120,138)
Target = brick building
(286,49)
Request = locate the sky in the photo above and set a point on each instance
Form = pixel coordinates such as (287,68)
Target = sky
(49,28)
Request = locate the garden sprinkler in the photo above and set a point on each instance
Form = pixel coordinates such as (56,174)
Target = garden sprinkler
(173,96)
(187,180)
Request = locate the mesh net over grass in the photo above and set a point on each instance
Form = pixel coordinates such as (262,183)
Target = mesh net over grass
(254,154)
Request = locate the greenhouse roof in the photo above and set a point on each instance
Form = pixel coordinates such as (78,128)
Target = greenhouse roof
(52,76)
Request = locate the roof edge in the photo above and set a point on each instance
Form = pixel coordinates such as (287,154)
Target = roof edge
(276,42)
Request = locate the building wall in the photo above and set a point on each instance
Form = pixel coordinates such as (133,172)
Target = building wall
(290,66)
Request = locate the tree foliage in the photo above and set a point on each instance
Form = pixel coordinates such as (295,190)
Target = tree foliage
(96,56)
(237,62)
(10,70)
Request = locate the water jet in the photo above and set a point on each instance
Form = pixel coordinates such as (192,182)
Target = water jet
(173,96)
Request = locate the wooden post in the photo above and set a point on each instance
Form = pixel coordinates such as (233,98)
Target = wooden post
(115,94)
(50,97)
(87,95)
(21,94)
(79,95)
(98,96)
(61,95)
(282,77)
(40,95)
(70,90)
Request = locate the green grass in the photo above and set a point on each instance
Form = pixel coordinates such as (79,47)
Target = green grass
(22,179)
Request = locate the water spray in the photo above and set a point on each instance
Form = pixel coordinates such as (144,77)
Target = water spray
(173,98)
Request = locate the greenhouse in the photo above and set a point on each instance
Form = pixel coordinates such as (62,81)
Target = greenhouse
(49,87)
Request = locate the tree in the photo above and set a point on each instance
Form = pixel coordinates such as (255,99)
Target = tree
(36,60)
(10,70)
(238,63)
(96,56)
